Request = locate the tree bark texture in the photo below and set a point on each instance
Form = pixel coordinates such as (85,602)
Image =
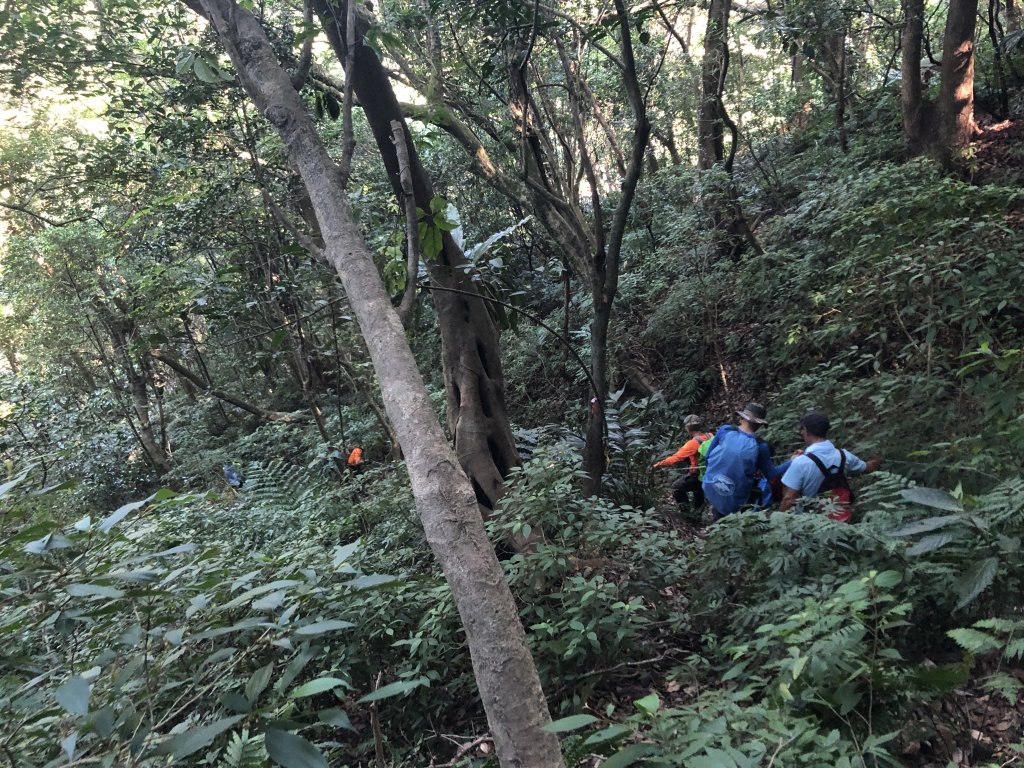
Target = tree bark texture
(911,98)
(956,93)
(711,119)
(507,679)
(470,349)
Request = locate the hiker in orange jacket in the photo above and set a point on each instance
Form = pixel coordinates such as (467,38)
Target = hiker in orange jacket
(688,456)
(355,460)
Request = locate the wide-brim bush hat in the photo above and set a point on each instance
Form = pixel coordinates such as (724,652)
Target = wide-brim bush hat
(754,412)
(693,420)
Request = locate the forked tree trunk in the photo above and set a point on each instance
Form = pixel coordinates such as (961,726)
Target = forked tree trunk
(910,74)
(470,349)
(956,94)
(505,674)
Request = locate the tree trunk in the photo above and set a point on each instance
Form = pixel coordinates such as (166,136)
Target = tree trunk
(507,679)
(910,75)
(471,353)
(1012,16)
(710,123)
(956,94)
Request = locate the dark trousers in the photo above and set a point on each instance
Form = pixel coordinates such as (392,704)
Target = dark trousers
(683,487)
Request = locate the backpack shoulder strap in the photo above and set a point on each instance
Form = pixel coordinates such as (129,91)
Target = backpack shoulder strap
(820,464)
(842,462)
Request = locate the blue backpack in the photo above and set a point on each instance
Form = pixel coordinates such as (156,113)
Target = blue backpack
(732,462)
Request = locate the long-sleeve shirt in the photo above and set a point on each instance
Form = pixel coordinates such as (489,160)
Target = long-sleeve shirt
(688,453)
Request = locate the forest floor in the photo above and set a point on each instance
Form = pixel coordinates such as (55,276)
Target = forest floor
(999,150)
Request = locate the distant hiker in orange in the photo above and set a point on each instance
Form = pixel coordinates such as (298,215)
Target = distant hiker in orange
(689,456)
(355,460)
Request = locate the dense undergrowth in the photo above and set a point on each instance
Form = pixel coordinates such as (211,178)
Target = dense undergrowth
(301,616)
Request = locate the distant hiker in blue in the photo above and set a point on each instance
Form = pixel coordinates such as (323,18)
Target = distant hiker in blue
(735,456)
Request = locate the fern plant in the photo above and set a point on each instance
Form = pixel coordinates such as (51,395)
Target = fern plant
(244,751)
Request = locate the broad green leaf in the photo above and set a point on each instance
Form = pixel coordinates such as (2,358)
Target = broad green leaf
(571,723)
(611,733)
(74,696)
(204,72)
(184,744)
(628,756)
(887,579)
(373,580)
(258,682)
(249,594)
(394,689)
(292,751)
(336,717)
(648,704)
(976,580)
(314,687)
(930,544)
(932,497)
(48,543)
(69,744)
(320,627)
(92,590)
(121,513)
(923,526)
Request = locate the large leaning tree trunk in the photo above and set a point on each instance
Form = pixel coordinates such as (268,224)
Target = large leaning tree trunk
(505,673)
(911,98)
(471,354)
(956,93)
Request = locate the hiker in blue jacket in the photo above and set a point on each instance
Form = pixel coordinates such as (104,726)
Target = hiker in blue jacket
(735,456)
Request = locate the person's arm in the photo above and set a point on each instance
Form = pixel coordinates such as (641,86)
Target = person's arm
(856,466)
(789,497)
(765,465)
(683,454)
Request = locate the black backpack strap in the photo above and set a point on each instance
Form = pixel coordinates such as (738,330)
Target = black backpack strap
(842,462)
(820,464)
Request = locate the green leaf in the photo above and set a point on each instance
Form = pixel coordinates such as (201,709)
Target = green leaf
(887,579)
(571,723)
(628,756)
(923,526)
(314,687)
(648,704)
(394,689)
(336,717)
(74,696)
(930,544)
(204,71)
(611,733)
(932,497)
(184,744)
(121,513)
(92,590)
(373,580)
(320,627)
(976,580)
(258,682)
(293,751)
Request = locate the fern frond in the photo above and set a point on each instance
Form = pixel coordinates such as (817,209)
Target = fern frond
(244,751)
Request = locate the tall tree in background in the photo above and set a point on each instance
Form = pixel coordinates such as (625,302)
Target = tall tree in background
(546,157)
(911,98)
(506,676)
(471,354)
(956,93)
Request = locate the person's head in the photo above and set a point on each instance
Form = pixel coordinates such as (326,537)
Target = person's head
(814,426)
(752,416)
(693,423)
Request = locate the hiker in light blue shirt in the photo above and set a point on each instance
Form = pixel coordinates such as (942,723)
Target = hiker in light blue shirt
(805,476)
